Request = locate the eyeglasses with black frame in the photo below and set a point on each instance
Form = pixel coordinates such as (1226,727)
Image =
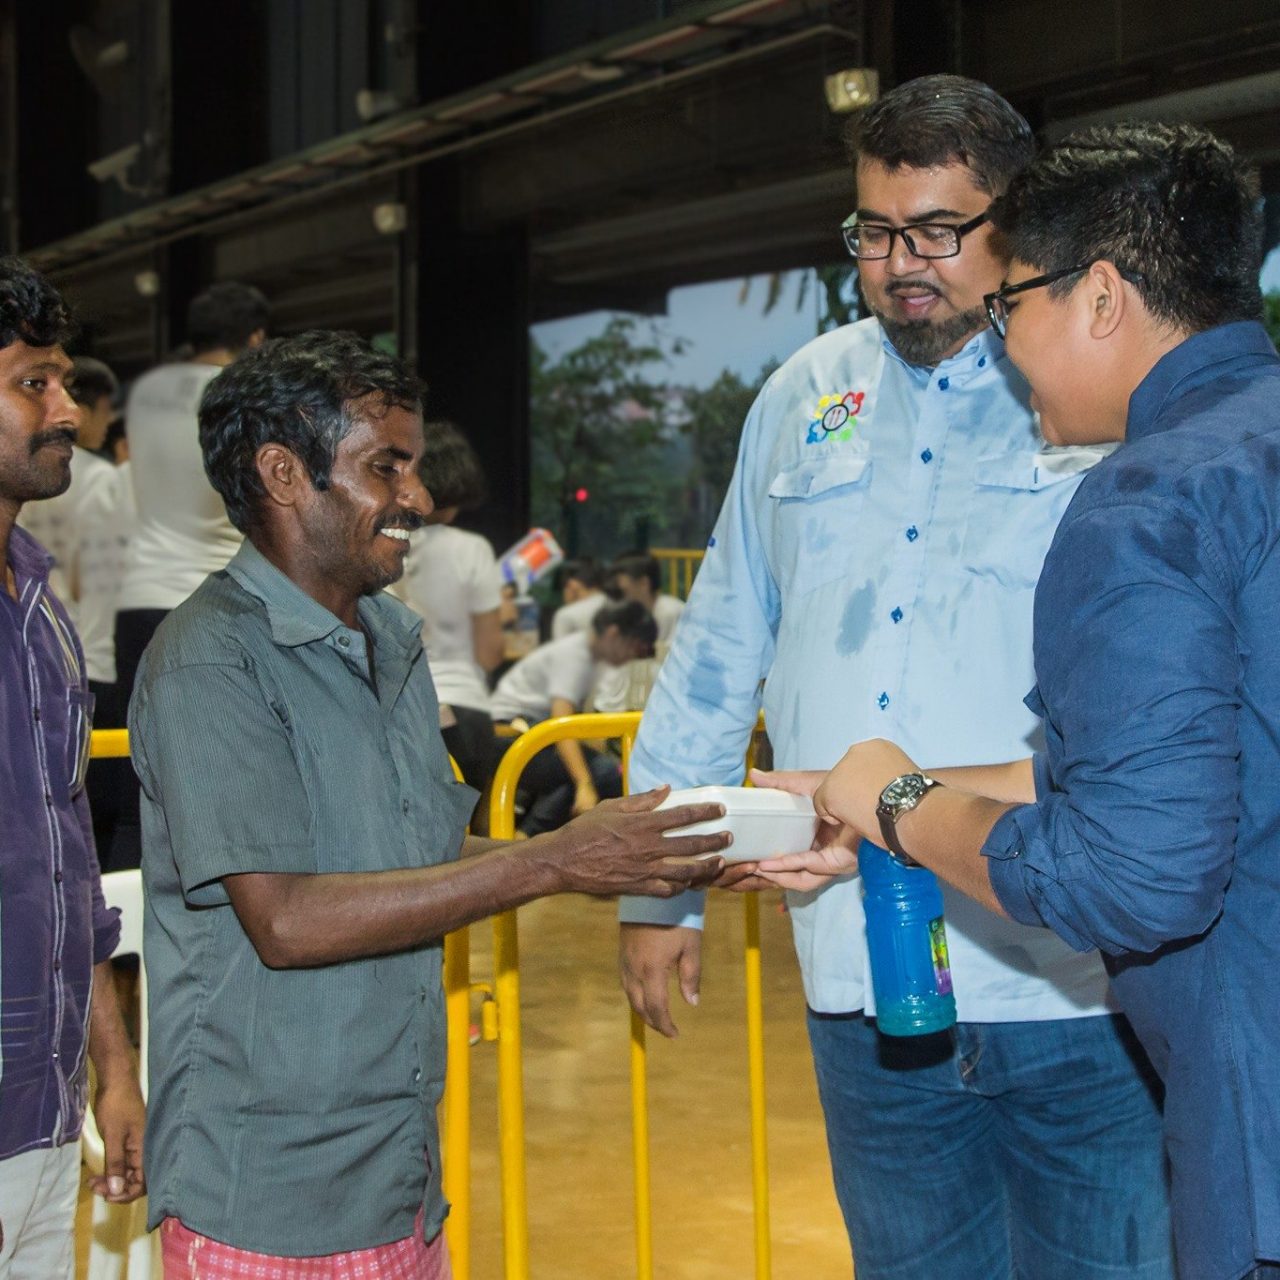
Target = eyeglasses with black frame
(868,241)
(998,307)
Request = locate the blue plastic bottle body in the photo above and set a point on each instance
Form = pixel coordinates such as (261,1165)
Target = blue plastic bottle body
(907,942)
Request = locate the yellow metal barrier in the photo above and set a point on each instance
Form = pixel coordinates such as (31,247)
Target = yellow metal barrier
(515,1211)
(679,567)
(456,1103)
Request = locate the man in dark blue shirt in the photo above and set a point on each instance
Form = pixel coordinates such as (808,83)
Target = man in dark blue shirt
(57,1002)
(1150,827)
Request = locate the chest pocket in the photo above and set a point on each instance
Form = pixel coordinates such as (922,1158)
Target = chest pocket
(1018,500)
(816,505)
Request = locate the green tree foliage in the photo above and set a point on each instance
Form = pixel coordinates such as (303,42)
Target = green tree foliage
(1271,315)
(601,422)
(713,425)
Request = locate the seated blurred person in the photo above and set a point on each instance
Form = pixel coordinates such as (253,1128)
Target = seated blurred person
(637,576)
(582,589)
(81,529)
(451,578)
(554,680)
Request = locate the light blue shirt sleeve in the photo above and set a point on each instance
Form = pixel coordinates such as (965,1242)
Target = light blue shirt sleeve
(699,718)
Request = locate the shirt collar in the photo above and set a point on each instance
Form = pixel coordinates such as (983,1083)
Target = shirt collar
(297,619)
(1199,359)
(979,355)
(28,558)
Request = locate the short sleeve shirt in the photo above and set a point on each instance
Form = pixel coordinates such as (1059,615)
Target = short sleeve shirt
(291,1112)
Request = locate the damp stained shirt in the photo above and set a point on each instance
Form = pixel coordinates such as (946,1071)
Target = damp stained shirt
(874,564)
(1157,838)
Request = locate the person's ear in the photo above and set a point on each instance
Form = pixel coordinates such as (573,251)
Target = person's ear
(256,338)
(283,475)
(1104,290)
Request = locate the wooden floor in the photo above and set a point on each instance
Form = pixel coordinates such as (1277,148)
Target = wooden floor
(578,1112)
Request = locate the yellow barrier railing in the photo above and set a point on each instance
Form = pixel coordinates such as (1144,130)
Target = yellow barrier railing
(679,568)
(515,1212)
(455,1106)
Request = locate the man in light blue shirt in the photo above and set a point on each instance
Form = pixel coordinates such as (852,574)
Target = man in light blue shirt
(874,564)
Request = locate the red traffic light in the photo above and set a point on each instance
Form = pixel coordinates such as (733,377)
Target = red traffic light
(580,495)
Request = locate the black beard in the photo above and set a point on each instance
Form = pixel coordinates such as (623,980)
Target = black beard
(925,342)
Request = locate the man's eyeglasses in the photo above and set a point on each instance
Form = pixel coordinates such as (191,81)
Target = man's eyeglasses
(998,306)
(870,240)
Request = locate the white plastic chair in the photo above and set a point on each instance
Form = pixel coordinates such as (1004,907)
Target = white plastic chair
(119,1245)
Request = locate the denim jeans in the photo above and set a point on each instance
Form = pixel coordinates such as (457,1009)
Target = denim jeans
(1026,1150)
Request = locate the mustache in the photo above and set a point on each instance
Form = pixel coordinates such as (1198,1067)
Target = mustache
(55,435)
(410,521)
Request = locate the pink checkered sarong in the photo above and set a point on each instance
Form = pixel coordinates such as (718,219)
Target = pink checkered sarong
(188,1256)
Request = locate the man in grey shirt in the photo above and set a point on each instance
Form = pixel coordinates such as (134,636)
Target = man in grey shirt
(300,831)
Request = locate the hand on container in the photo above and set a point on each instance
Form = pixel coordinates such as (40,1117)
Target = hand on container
(620,846)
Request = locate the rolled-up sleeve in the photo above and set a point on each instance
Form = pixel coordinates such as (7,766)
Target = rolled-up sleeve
(1132,843)
(217,764)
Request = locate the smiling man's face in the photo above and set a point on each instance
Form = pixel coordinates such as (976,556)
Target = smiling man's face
(38,421)
(929,307)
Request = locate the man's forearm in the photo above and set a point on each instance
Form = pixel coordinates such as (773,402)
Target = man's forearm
(575,763)
(1014,782)
(946,833)
(109,1046)
(377,913)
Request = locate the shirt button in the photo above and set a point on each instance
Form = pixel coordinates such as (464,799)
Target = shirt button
(35,715)
(912,534)
(57,877)
(345,641)
(417,1075)
(927,456)
(943,383)
(48,799)
(896,615)
(882,701)
(57,966)
(982,360)
(56,1055)
(404,806)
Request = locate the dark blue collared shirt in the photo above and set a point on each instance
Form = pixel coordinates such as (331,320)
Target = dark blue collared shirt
(53,925)
(1157,833)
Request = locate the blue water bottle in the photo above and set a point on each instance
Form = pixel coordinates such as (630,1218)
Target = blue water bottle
(907,940)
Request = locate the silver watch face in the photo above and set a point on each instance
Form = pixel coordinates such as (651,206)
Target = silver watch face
(905,790)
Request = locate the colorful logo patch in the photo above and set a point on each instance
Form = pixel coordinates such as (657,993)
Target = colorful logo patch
(835,417)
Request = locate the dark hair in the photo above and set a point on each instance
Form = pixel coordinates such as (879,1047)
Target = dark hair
(940,120)
(226,315)
(585,569)
(633,620)
(639,564)
(91,380)
(450,469)
(31,309)
(303,392)
(1169,201)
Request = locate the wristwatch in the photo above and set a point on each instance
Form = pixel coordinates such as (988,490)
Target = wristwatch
(899,797)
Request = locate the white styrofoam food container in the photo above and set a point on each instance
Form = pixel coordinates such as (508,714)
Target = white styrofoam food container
(764,821)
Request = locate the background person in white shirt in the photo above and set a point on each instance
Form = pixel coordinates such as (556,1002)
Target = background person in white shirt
(582,590)
(451,578)
(555,680)
(638,576)
(182,533)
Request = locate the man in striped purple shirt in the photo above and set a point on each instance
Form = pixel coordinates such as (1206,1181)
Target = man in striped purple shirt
(57,1001)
